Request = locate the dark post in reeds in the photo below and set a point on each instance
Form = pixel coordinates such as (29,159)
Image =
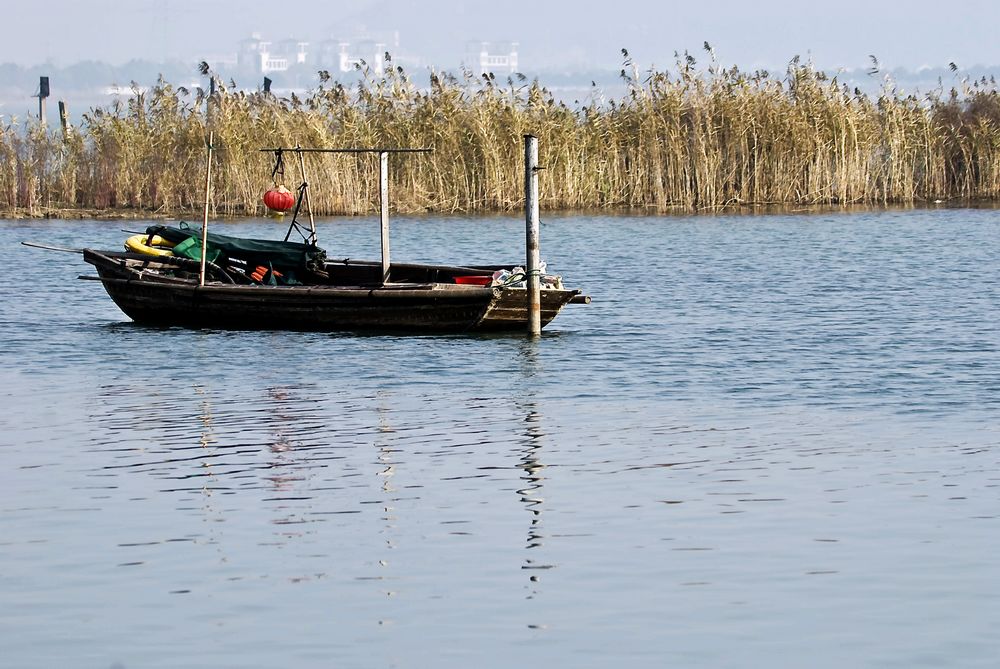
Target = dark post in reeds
(43,92)
(531,235)
(267,84)
(383,200)
(64,119)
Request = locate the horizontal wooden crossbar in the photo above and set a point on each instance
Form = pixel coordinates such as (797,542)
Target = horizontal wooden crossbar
(310,150)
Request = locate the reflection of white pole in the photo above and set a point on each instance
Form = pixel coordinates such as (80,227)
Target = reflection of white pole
(383,198)
(531,234)
(204,224)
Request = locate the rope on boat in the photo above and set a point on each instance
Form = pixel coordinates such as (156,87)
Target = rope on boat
(279,167)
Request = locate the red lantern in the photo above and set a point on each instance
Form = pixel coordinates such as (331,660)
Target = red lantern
(279,199)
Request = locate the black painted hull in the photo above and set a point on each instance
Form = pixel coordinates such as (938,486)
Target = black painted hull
(149,297)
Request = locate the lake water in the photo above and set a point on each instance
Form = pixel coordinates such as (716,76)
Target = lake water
(769,441)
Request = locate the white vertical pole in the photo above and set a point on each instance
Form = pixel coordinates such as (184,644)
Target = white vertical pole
(204,224)
(383,197)
(531,235)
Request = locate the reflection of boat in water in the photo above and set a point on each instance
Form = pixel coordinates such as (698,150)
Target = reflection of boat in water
(163,279)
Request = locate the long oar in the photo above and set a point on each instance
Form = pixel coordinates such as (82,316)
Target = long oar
(49,247)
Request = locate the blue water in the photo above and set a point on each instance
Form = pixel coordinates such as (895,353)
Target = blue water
(769,441)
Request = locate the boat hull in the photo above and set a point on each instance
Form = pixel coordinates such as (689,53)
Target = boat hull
(149,297)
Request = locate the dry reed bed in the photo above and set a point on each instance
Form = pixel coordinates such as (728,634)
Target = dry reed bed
(685,138)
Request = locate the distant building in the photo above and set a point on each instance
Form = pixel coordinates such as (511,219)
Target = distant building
(348,56)
(294,51)
(495,57)
(258,56)
(251,53)
(328,54)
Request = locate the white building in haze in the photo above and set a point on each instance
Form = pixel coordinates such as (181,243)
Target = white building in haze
(371,52)
(263,57)
(258,55)
(495,57)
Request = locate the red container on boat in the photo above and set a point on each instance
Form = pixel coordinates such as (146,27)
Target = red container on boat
(474,280)
(279,199)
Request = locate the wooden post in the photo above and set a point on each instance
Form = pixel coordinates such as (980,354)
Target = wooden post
(64,119)
(305,196)
(383,199)
(267,84)
(43,92)
(531,235)
(204,224)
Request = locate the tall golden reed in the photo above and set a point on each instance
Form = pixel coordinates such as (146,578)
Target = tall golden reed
(684,138)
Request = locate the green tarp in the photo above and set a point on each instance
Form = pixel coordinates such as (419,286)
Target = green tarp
(282,256)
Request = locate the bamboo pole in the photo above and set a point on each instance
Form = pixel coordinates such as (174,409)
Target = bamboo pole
(532,261)
(208,195)
(305,196)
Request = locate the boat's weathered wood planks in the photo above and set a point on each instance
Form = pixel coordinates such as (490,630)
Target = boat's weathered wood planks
(142,290)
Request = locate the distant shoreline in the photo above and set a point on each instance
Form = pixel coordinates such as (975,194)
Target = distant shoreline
(126,214)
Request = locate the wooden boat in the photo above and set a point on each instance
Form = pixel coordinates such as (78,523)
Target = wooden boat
(344,295)
(261,284)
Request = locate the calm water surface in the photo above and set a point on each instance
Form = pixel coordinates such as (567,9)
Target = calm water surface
(770,441)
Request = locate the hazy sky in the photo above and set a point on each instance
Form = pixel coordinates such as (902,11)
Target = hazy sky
(552,33)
